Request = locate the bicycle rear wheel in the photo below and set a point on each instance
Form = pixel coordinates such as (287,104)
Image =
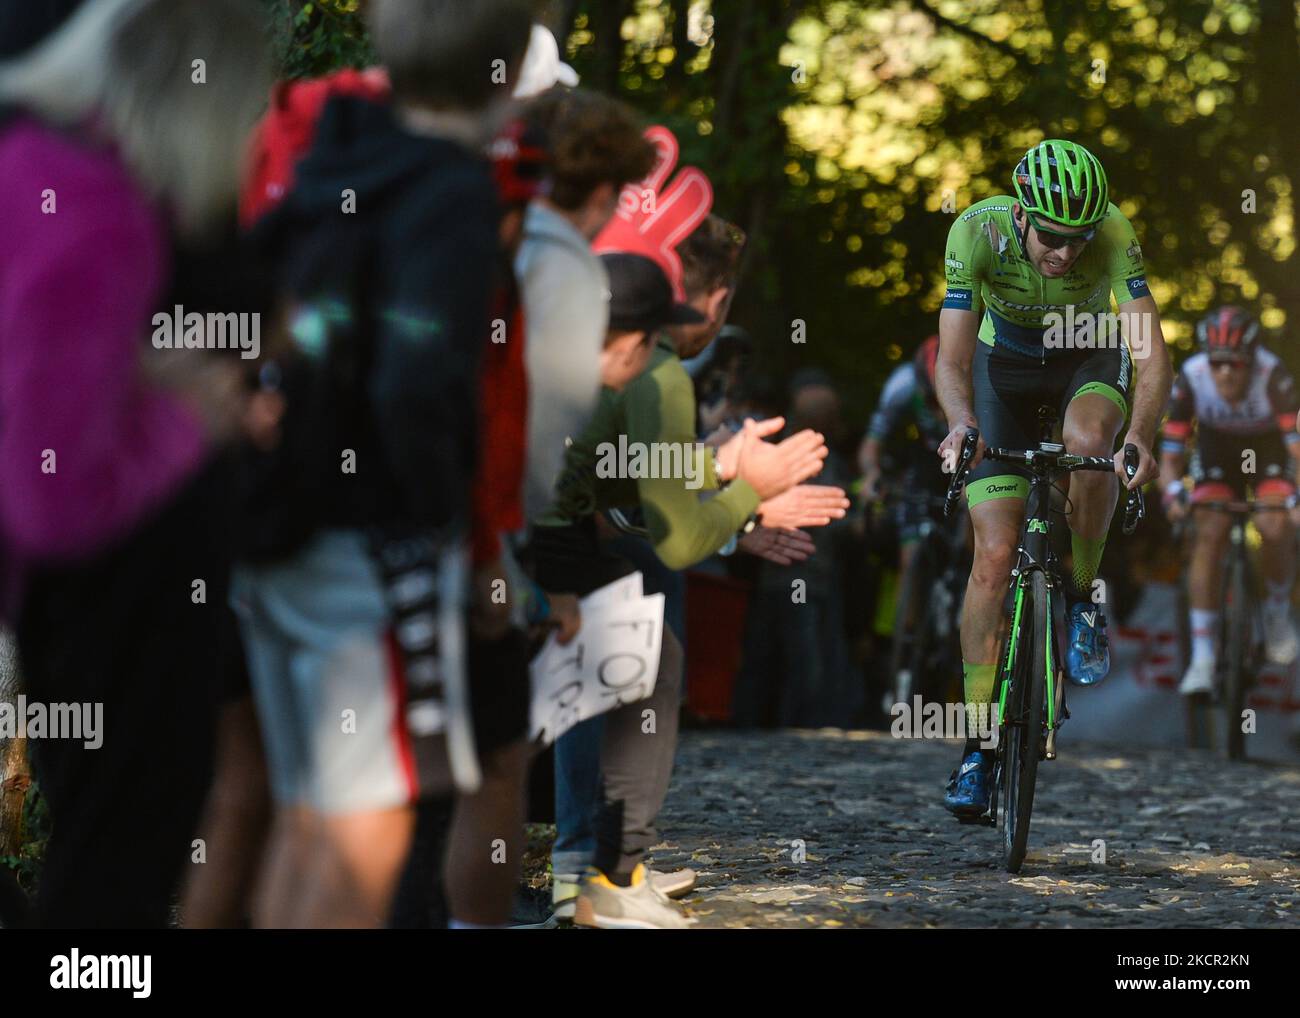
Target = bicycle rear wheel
(1236,655)
(1024,724)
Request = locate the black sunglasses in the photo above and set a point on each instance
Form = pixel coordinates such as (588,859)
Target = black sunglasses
(1054,241)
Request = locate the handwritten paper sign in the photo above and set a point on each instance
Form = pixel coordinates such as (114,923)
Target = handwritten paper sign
(613,661)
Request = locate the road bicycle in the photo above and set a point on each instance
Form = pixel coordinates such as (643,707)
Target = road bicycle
(926,656)
(1241,631)
(1030,693)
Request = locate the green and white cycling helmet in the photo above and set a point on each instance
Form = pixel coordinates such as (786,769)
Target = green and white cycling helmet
(1062,182)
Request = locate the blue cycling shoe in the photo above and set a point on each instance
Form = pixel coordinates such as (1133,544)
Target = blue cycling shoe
(1087,661)
(968,788)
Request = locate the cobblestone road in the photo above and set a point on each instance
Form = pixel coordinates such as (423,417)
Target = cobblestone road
(1190,841)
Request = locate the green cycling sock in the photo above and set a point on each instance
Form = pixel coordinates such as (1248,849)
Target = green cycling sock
(1087,559)
(978,682)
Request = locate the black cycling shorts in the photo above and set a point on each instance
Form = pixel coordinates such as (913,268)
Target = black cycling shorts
(1009,390)
(1224,466)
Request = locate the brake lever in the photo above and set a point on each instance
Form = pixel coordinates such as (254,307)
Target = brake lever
(968,447)
(1135,506)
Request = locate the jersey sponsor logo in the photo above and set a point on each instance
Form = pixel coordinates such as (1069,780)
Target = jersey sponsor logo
(954,263)
(1134,251)
(1026,308)
(1086,330)
(960,299)
(979,212)
(1137,286)
(1096,294)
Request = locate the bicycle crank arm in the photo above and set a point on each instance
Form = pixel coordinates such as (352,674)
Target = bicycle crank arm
(1060,705)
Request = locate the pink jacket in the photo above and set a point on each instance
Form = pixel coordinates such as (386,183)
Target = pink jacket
(87,448)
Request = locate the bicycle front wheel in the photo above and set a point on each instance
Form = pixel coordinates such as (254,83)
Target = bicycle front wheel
(905,656)
(1024,724)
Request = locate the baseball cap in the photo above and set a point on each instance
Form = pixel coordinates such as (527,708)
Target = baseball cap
(640,296)
(543,69)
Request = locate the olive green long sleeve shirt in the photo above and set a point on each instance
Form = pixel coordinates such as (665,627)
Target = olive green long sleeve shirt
(640,449)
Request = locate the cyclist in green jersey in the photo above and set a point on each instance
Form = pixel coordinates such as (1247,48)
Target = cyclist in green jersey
(1027,328)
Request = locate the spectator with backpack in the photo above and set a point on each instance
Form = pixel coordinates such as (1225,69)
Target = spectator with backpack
(353,610)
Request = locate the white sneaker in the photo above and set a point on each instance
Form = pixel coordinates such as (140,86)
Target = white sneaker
(1281,643)
(639,907)
(564,894)
(1199,678)
(676,884)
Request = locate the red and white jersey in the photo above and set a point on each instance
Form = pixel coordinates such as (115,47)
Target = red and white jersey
(1269,404)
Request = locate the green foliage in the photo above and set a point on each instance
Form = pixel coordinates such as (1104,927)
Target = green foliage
(849,175)
(844,135)
(315,38)
(36,832)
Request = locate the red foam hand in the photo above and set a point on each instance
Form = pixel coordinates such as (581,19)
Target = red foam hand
(653,218)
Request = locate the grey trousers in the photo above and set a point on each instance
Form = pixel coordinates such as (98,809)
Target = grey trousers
(636,760)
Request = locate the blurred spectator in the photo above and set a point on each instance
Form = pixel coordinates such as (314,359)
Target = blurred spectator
(797,670)
(364,597)
(23,23)
(596,148)
(478,890)
(112,512)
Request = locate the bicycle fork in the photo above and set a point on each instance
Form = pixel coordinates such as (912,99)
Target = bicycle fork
(1053,672)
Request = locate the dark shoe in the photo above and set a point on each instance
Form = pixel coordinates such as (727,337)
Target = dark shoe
(1088,660)
(968,788)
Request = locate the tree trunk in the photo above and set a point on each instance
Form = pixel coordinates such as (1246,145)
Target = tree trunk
(15,773)
(683,53)
(730,30)
(607,26)
(1277,68)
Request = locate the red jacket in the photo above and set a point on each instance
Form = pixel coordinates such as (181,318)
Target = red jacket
(503,404)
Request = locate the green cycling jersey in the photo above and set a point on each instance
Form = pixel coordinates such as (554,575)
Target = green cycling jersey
(989,273)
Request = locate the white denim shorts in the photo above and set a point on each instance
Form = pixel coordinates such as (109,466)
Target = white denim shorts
(326,677)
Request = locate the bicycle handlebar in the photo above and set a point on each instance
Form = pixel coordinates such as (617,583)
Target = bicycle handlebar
(1055,460)
(1065,462)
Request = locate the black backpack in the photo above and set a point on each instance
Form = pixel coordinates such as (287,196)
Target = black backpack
(327,278)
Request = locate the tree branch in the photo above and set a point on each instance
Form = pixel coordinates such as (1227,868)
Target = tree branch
(968,32)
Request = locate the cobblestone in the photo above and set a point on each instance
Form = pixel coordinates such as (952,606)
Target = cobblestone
(831,828)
